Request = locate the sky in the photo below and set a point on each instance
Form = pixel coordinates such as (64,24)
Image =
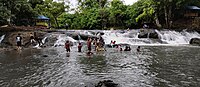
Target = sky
(127,2)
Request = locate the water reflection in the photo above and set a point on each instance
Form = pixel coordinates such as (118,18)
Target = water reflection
(176,66)
(96,64)
(53,67)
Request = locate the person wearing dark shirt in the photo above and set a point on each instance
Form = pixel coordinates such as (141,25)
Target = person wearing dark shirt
(79,47)
(89,42)
(32,39)
(67,46)
(127,48)
(138,49)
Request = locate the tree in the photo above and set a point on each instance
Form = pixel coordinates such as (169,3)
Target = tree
(10,10)
(52,9)
(117,13)
(34,3)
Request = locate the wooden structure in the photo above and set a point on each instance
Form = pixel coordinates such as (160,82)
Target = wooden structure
(192,12)
(42,22)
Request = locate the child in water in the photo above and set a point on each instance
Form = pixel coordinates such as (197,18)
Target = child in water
(67,46)
(138,49)
(127,48)
(79,47)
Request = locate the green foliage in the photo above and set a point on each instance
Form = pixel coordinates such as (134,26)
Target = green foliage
(117,13)
(14,10)
(51,9)
(95,14)
(148,11)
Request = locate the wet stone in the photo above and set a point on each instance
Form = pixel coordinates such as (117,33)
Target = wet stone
(45,56)
(106,83)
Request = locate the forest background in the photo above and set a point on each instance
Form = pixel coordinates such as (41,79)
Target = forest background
(97,14)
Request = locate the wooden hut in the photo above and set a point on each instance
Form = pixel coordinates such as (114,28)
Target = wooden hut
(192,12)
(43,22)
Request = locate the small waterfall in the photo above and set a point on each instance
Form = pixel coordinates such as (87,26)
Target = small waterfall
(2,37)
(79,37)
(148,35)
(43,41)
(129,37)
(174,37)
(166,37)
(62,39)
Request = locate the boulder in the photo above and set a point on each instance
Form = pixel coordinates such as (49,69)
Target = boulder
(10,38)
(81,36)
(148,34)
(195,41)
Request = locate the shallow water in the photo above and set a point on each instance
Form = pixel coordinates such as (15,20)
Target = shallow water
(159,66)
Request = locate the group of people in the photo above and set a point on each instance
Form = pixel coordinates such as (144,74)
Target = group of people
(113,45)
(33,39)
(98,44)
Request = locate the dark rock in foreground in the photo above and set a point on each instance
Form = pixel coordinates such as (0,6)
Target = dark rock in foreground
(106,83)
(195,41)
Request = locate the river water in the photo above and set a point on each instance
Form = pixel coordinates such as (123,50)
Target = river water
(155,66)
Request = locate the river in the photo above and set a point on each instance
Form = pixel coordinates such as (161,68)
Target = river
(155,66)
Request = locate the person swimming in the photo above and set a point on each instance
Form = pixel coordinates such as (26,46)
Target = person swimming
(138,49)
(127,48)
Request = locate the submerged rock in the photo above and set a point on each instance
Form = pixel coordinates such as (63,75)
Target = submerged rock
(195,41)
(45,56)
(106,83)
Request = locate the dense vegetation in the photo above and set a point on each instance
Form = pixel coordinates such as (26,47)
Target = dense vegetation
(95,14)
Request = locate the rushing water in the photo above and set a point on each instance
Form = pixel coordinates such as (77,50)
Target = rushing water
(155,66)
(1,38)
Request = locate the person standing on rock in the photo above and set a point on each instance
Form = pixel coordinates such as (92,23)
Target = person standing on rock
(32,39)
(38,39)
(19,41)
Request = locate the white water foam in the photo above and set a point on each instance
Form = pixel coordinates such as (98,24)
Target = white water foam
(174,37)
(2,38)
(62,38)
(166,38)
(43,41)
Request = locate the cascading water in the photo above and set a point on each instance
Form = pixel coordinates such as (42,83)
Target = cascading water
(62,38)
(43,41)
(174,37)
(166,37)
(127,37)
(1,38)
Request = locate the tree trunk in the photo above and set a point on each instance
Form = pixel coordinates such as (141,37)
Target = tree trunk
(166,16)
(170,17)
(157,21)
(56,22)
